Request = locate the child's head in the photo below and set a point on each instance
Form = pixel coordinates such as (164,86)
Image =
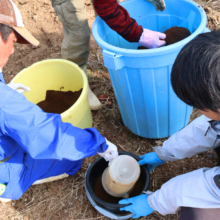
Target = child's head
(195,74)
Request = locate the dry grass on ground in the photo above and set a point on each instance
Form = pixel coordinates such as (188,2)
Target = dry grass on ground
(66,199)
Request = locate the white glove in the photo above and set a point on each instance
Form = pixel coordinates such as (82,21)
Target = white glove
(20,88)
(111,153)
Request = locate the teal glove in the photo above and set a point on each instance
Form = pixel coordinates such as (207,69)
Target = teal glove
(137,205)
(151,159)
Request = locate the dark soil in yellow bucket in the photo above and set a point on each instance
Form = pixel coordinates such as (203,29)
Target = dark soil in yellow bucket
(59,101)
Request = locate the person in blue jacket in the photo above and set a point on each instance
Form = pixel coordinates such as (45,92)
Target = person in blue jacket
(33,144)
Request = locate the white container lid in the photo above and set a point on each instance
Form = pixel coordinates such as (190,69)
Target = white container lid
(124,169)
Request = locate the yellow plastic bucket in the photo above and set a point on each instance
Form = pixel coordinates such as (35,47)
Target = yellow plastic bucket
(63,75)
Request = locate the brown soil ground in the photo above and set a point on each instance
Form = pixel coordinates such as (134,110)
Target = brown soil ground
(66,199)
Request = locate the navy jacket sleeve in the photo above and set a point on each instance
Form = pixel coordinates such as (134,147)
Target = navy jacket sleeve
(44,135)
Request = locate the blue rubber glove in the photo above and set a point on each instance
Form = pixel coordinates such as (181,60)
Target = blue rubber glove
(151,159)
(139,206)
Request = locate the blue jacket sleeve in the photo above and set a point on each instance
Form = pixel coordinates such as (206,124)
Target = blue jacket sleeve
(44,135)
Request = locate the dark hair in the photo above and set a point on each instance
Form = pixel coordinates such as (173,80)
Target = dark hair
(195,75)
(5,31)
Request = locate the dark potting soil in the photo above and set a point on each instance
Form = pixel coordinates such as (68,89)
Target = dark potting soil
(176,34)
(59,101)
(142,48)
(104,196)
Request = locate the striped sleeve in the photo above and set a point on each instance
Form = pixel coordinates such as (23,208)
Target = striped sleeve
(118,19)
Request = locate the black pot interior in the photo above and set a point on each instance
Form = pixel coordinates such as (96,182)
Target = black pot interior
(95,188)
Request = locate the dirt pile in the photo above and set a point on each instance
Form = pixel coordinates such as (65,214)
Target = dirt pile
(59,101)
(176,34)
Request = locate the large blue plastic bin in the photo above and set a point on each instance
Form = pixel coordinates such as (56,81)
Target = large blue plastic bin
(141,78)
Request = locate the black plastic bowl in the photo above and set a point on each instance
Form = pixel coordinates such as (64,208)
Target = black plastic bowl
(95,171)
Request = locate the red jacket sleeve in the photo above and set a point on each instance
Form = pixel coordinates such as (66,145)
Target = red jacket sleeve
(118,19)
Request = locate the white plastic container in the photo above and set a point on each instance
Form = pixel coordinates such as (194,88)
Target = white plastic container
(120,177)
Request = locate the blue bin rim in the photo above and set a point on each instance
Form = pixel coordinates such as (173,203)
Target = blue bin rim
(152,52)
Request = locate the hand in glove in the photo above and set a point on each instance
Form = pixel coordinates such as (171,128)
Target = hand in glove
(158,4)
(151,159)
(152,39)
(111,153)
(137,205)
(20,88)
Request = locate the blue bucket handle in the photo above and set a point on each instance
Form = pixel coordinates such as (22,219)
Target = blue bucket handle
(112,60)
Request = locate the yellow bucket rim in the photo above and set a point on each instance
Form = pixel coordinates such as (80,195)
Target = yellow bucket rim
(83,95)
